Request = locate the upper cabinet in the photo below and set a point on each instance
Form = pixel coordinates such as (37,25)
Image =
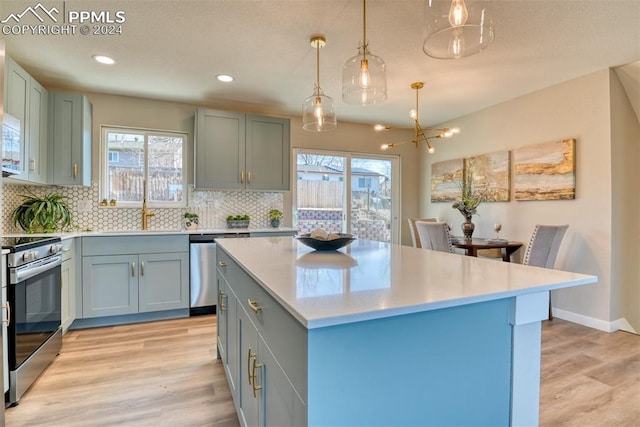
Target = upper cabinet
(27,100)
(235,151)
(70,118)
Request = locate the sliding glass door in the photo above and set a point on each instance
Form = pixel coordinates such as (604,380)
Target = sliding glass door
(347,193)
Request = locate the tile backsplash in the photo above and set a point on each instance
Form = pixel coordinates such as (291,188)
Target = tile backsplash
(213,207)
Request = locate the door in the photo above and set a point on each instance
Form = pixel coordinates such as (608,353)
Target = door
(220,150)
(163,281)
(109,285)
(323,181)
(267,153)
(250,377)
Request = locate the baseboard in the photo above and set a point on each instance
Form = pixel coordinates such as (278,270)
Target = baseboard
(590,322)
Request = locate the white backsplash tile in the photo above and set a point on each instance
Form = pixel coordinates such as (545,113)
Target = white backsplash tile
(213,207)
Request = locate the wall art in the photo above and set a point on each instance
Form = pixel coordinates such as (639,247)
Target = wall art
(446,180)
(545,171)
(490,174)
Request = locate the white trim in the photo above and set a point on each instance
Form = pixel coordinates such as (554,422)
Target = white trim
(601,325)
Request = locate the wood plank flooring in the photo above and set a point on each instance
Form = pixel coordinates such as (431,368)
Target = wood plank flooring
(165,374)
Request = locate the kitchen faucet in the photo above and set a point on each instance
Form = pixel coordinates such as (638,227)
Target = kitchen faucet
(145,214)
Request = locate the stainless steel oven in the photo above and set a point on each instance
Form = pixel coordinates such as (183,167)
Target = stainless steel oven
(34,295)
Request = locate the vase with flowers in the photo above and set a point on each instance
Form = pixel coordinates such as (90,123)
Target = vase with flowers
(468,205)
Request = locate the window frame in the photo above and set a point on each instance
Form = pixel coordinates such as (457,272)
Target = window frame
(104,163)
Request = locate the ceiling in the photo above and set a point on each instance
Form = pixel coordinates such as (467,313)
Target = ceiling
(171,50)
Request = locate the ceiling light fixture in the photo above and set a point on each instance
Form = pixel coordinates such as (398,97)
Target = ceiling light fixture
(364,76)
(104,59)
(224,78)
(318,112)
(420,134)
(457,28)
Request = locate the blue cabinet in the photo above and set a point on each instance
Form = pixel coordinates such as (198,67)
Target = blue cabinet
(133,274)
(235,151)
(70,126)
(27,100)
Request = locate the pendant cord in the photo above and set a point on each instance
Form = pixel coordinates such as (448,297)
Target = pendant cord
(364,29)
(318,69)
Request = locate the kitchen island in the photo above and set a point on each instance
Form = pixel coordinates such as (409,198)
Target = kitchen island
(380,334)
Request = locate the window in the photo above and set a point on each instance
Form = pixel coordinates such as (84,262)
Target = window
(144,163)
(113,156)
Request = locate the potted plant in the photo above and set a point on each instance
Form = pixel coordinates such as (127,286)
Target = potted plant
(468,205)
(190,221)
(275,216)
(238,221)
(42,214)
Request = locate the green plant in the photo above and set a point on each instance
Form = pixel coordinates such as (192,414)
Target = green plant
(48,213)
(469,198)
(275,214)
(190,215)
(238,218)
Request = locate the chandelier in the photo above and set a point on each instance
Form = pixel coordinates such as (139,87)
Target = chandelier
(420,134)
(318,111)
(457,28)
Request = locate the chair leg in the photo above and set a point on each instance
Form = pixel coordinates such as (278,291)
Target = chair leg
(550,313)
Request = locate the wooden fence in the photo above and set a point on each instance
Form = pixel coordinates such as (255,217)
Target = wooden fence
(128,184)
(320,194)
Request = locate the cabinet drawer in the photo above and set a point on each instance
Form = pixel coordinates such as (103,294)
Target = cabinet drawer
(109,245)
(283,334)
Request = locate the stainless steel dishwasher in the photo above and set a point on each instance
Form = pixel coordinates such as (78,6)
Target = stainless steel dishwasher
(202,266)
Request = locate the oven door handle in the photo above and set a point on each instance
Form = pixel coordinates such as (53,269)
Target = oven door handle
(29,270)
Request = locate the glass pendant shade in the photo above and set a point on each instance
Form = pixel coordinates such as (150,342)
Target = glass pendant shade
(364,79)
(457,28)
(318,112)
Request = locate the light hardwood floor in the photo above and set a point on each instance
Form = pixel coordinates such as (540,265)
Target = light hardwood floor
(165,374)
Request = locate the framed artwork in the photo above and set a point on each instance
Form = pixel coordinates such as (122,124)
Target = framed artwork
(490,174)
(446,180)
(545,171)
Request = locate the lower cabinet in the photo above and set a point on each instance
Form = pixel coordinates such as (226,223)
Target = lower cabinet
(126,282)
(260,382)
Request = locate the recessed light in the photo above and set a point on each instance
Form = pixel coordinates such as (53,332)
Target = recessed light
(225,78)
(104,59)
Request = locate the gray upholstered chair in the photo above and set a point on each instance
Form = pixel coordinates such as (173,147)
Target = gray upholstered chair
(414,232)
(543,248)
(434,236)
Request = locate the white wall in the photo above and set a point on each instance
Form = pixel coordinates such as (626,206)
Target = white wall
(575,109)
(625,149)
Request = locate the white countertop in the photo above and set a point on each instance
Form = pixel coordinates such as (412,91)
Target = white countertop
(370,280)
(158,232)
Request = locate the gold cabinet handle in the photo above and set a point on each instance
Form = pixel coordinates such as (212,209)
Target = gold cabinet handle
(250,356)
(256,365)
(222,264)
(242,177)
(253,305)
(142,268)
(133,269)
(249,177)
(32,165)
(7,307)
(75,170)
(221,298)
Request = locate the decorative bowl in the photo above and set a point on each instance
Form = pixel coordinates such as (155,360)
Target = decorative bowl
(325,245)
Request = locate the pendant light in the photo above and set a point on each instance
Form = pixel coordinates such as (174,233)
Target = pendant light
(364,76)
(457,28)
(420,134)
(318,112)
